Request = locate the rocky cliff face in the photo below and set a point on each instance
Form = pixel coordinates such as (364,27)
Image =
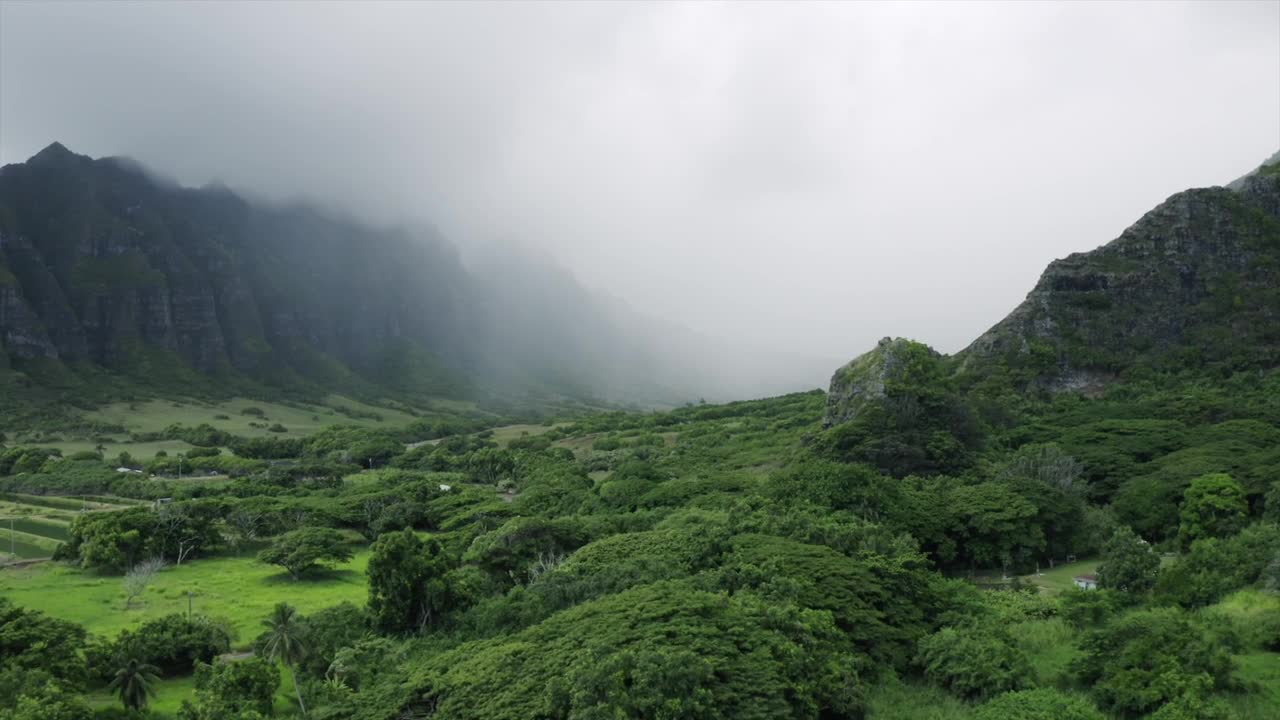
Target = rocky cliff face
(1194,283)
(866,378)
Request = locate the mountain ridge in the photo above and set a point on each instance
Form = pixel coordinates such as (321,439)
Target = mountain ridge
(107,266)
(1194,284)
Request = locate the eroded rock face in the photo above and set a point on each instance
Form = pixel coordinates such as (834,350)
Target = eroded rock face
(1195,281)
(864,379)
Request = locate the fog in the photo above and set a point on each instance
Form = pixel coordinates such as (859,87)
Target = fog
(800,177)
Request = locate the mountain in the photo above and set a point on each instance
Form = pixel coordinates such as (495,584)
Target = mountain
(1193,286)
(111,275)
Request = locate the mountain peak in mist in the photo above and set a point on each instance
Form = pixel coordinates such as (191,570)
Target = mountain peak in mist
(54,152)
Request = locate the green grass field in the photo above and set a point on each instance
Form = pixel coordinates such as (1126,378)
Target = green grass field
(156,415)
(239,589)
(1058,579)
(505,434)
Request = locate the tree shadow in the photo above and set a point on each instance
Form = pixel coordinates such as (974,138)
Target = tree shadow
(318,576)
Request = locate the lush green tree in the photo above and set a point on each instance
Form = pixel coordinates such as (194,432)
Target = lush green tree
(1096,528)
(365,661)
(1214,567)
(111,541)
(881,604)
(134,683)
(184,529)
(46,701)
(305,548)
(1128,563)
(984,524)
(327,632)
(283,641)
(1038,704)
(33,641)
(771,661)
(511,549)
(1139,661)
(489,465)
(1213,506)
(174,644)
(1194,707)
(1089,608)
(640,685)
(407,586)
(841,486)
(974,661)
(1271,506)
(229,689)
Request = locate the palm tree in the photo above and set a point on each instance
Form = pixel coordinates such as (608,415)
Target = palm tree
(284,643)
(134,683)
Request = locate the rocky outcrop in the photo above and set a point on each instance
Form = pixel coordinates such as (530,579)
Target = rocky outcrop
(866,378)
(1193,285)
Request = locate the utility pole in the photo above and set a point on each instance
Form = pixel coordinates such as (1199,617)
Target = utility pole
(179,466)
(12,541)
(188,606)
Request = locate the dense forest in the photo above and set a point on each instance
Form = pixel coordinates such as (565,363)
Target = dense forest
(713,561)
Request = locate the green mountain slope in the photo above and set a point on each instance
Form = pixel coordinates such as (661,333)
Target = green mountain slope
(113,281)
(1193,285)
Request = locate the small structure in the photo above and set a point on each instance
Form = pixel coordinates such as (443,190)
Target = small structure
(1086,582)
(445,488)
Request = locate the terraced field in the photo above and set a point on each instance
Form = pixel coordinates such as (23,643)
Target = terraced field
(31,526)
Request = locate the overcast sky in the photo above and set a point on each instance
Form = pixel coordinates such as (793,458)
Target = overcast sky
(812,175)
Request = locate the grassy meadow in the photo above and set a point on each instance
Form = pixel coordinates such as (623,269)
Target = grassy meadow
(238,589)
(151,416)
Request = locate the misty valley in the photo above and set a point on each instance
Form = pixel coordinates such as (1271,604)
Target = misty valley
(399,442)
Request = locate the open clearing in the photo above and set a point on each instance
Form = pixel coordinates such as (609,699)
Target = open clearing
(1059,579)
(240,589)
(299,420)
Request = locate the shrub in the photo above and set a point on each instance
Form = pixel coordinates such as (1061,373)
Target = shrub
(173,643)
(232,689)
(1087,608)
(1039,704)
(1215,567)
(976,661)
(1140,661)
